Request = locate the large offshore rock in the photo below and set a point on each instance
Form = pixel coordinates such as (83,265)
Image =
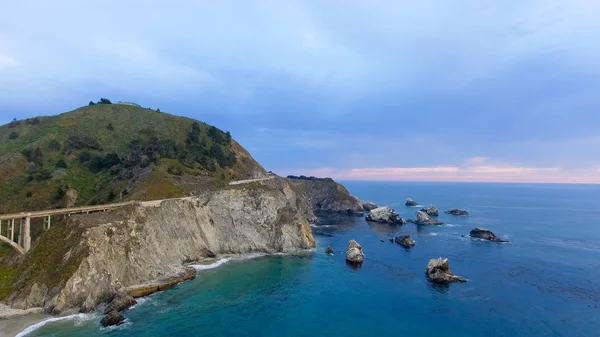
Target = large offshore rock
(411,203)
(438,271)
(368,205)
(431,211)
(456,211)
(424,219)
(385,215)
(354,254)
(405,241)
(485,234)
(112,318)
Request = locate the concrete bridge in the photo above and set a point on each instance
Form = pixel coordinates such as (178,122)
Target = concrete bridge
(15,229)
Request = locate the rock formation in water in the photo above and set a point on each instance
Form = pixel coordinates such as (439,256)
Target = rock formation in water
(431,211)
(485,234)
(405,240)
(368,205)
(112,318)
(323,195)
(424,219)
(385,215)
(329,250)
(411,203)
(456,211)
(438,271)
(90,259)
(354,254)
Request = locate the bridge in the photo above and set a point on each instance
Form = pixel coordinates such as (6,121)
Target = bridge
(22,231)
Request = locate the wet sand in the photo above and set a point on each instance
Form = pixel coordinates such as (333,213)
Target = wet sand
(10,327)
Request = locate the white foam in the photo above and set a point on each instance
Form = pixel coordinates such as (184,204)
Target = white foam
(209,266)
(452,225)
(140,301)
(78,318)
(249,256)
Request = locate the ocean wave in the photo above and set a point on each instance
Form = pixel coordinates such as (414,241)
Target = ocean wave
(452,225)
(210,266)
(140,301)
(322,226)
(78,318)
(249,256)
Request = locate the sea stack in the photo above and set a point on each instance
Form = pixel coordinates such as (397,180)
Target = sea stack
(431,211)
(456,211)
(405,240)
(329,250)
(411,203)
(424,219)
(486,234)
(438,271)
(385,215)
(355,253)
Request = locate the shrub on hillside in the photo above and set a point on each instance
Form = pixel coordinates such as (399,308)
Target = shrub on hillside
(54,145)
(104,101)
(77,142)
(61,163)
(13,135)
(110,127)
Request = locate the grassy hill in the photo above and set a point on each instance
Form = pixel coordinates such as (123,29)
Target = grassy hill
(113,152)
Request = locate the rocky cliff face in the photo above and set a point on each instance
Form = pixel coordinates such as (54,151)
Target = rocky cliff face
(325,195)
(152,240)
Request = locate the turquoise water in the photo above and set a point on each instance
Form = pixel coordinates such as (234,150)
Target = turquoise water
(545,282)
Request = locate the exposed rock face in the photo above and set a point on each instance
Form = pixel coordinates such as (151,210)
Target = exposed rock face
(485,234)
(385,215)
(438,271)
(424,219)
(329,250)
(431,211)
(152,240)
(112,318)
(327,196)
(354,254)
(456,211)
(405,240)
(411,203)
(368,205)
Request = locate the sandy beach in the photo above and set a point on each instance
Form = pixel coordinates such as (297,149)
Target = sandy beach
(13,321)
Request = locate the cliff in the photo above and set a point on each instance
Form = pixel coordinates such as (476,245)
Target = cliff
(87,260)
(323,195)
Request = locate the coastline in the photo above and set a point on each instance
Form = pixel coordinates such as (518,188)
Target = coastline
(13,321)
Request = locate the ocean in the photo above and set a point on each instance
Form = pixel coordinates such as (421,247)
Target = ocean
(544,282)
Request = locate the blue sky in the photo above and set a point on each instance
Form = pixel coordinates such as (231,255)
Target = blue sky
(383,90)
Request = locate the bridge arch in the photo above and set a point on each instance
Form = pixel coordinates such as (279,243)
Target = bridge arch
(13,244)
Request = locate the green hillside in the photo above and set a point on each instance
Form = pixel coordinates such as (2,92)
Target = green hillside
(106,153)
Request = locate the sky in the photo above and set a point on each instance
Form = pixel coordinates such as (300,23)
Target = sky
(429,90)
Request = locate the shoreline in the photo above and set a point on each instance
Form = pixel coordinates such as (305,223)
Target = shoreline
(14,321)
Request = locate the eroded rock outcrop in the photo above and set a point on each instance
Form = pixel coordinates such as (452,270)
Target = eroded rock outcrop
(354,254)
(431,211)
(98,255)
(485,234)
(323,195)
(368,205)
(411,203)
(456,211)
(438,271)
(424,219)
(405,241)
(112,318)
(385,215)
(329,250)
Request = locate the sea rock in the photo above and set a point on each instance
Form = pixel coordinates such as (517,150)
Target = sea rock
(410,202)
(405,240)
(368,205)
(112,318)
(424,219)
(121,302)
(456,211)
(385,215)
(329,250)
(391,240)
(431,211)
(485,234)
(438,271)
(354,253)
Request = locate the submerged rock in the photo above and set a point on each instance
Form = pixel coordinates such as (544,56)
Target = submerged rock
(354,253)
(431,211)
(122,301)
(368,205)
(485,234)
(391,240)
(424,219)
(385,215)
(456,211)
(405,240)
(438,271)
(410,202)
(112,318)
(329,250)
